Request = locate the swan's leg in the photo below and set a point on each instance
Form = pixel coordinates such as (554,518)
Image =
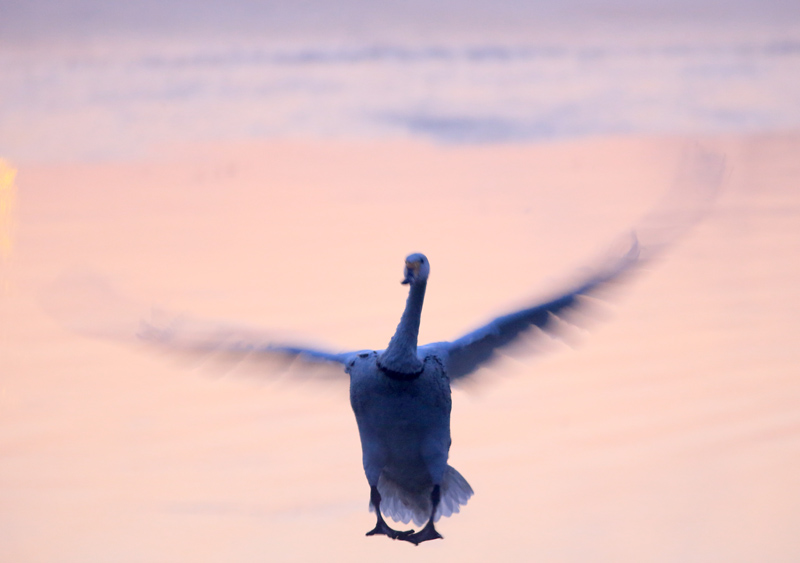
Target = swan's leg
(428,532)
(382,527)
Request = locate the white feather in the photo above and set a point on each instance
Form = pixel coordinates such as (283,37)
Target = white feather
(406,506)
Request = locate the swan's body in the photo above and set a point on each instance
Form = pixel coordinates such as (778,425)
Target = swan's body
(405,438)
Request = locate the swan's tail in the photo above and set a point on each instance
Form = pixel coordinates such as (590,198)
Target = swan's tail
(402,505)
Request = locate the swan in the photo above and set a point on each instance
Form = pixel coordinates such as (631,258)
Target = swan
(401,395)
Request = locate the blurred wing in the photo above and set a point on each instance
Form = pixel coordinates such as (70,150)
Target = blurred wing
(473,350)
(89,305)
(231,346)
(696,185)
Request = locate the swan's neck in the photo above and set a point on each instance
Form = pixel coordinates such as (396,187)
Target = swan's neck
(401,354)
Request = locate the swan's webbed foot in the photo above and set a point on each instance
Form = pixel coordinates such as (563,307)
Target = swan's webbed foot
(382,528)
(425,534)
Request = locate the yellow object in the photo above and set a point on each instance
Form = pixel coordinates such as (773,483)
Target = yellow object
(7,201)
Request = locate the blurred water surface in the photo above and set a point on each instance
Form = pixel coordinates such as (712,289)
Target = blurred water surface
(97,80)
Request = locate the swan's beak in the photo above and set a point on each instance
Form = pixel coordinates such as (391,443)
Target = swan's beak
(411,272)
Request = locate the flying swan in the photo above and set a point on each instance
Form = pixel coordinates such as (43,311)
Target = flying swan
(401,395)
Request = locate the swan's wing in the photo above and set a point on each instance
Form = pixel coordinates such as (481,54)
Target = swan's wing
(694,190)
(473,350)
(89,305)
(229,346)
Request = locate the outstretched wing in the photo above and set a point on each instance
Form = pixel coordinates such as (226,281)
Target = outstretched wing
(475,349)
(696,185)
(88,304)
(232,346)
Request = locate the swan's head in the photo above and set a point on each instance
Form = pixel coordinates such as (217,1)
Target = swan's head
(417,269)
